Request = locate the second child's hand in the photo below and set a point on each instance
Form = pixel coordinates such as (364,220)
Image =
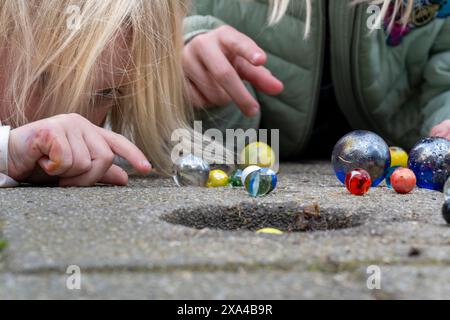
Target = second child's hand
(441,130)
(215,64)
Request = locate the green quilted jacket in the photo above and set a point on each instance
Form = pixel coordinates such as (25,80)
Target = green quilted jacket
(397,85)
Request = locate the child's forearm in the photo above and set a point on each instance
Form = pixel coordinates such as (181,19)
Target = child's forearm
(5,180)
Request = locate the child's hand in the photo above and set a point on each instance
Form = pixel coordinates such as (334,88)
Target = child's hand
(215,64)
(73,149)
(441,130)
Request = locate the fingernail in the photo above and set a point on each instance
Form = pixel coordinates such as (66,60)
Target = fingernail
(256,57)
(146,164)
(254,111)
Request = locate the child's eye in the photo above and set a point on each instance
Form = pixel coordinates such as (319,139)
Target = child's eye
(106,97)
(110,93)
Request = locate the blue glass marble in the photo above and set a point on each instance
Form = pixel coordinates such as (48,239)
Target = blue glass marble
(273,178)
(261,182)
(430,161)
(247,171)
(389,173)
(361,150)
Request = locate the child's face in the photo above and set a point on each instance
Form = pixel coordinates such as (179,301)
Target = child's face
(112,74)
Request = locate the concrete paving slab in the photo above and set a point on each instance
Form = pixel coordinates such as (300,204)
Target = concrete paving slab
(152,234)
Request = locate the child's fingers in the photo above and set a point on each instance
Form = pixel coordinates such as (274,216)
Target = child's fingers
(115,176)
(102,160)
(87,179)
(441,130)
(57,152)
(127,150)
(196,97)
(261,78)
(436,132)
(443,133)
(82,161)
(225,74)
(239,44)
(202,79)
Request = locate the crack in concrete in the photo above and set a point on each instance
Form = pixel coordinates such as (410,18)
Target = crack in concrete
(328,267)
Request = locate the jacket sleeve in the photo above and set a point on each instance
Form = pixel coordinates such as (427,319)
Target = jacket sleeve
(195,25)
(5,180)
(436,88)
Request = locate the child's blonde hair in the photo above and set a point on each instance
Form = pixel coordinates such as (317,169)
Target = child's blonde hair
(46,53)
(279,8)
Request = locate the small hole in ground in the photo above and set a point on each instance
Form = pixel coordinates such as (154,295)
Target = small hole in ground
(289,217)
